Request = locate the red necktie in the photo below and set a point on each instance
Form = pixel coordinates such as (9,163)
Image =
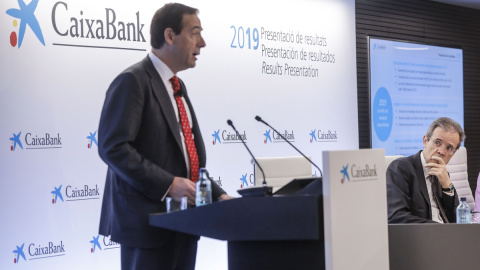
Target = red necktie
(187,131)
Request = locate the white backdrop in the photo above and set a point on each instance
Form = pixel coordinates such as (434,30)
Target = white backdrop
(52,95)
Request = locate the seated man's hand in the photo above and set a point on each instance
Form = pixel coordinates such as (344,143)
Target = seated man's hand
(439,169)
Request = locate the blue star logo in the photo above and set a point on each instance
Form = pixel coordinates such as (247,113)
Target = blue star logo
(345,173)
(16,140)
(92,139)
(26,16)
(244,180)
(216,136)
(314,137)
(57,193)
(95,243)
(19,252)
(267,136)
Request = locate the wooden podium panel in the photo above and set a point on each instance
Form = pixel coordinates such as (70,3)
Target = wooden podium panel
(279,232)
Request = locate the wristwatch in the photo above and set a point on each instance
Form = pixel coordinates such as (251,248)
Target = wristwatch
(449,189)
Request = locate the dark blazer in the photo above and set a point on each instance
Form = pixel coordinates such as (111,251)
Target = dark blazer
(407,194)
(139,139)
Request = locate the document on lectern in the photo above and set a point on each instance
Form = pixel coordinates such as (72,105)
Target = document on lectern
(355,209)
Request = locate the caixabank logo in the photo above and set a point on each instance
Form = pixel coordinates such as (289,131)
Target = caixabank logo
(57,194)
(323,136)
(217,179)
(16,141)
(216,137)
(74,23)
(102,243)
(359,172)
(19,254)
(345,176)
(92,140)
(267,136)
(26,14)
(273,137)
(228,137)
(75,193)
(34,251)
(35,141)
(244,182)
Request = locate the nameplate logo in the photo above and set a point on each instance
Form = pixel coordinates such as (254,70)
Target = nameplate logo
(358,172)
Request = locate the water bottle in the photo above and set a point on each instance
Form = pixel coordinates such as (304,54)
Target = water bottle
(463,212)
(203,194)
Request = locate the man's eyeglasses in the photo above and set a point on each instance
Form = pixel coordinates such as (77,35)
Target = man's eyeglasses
(449,148)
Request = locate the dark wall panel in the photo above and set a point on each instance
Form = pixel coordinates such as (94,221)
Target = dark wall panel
(425,22)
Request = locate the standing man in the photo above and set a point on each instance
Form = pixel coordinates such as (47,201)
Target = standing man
(419,189)
(150,139)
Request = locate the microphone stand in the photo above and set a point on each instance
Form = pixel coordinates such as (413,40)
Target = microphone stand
(258,118)
(264,190)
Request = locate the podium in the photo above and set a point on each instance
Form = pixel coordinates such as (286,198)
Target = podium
(275,232)
(328,224)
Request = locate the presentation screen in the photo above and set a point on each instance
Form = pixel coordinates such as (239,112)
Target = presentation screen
(411,85)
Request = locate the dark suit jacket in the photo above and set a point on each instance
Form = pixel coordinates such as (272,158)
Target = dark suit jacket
(407,194)
(139,140)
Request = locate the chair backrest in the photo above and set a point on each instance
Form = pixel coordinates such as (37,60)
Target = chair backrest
(477,195)
(457,167)
(389,159)
(281,170)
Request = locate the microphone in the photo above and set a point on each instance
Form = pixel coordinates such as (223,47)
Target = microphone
(259,119)
(253,191)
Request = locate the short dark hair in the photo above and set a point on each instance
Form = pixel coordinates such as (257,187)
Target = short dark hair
(447,124)
(168,16)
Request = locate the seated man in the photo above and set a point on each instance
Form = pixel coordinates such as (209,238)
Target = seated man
(419,189)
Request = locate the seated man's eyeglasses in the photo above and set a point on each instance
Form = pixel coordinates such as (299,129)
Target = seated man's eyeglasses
(450,149)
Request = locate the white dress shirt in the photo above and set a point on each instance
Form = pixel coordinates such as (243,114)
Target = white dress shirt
(166,73)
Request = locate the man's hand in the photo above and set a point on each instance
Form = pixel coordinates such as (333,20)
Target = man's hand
(225,196)
(182,187)
(439,169)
